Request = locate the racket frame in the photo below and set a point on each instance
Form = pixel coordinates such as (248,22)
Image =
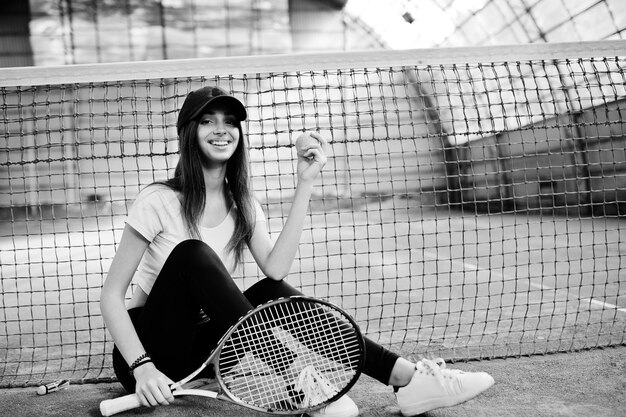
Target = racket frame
(223,393)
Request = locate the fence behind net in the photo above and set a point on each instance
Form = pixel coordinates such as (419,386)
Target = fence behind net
(473,206)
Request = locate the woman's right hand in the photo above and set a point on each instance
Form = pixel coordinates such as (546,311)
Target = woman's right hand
(311,151)
(152,387)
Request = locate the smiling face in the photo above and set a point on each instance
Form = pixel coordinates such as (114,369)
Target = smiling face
(218,136)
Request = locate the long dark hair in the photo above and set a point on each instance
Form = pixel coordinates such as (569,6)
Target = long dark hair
(189,181)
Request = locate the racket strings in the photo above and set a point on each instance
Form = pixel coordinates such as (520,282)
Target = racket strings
(331,339)
(320,332)
(291,355)
(336,338)
(315,387)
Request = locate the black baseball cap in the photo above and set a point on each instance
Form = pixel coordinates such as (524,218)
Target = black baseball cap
(198,100)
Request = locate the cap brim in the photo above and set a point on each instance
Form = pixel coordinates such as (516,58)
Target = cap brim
(229,102)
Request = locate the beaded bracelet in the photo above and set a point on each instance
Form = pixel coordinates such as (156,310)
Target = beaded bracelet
(145,358)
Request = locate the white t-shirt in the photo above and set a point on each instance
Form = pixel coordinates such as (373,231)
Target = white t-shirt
(157,215)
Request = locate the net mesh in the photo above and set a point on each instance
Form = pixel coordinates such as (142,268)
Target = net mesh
(469,210)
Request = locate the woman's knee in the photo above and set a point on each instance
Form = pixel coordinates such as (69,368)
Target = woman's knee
(192,249)
(193,259)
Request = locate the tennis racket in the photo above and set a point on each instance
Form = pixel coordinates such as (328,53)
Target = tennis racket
(288,356)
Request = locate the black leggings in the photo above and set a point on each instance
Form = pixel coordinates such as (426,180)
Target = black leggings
(194,278)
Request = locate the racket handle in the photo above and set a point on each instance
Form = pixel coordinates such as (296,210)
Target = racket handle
(117,405)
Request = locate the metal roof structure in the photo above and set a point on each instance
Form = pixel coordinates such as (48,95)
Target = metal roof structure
(51,32)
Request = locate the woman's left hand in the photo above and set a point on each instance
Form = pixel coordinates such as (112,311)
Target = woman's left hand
(311,156)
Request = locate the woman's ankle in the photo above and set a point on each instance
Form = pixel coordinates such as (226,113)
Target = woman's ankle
(402,373)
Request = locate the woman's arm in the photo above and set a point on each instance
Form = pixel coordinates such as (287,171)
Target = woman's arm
(152,385)
(275,259)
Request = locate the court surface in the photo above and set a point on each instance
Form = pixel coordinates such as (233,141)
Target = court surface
(588,383)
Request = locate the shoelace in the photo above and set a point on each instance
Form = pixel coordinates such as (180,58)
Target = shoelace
(438,368)
(315,387)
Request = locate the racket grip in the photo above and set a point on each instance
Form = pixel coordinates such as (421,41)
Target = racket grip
(117,405)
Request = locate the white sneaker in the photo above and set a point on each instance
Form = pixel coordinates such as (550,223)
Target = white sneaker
(434,386)
(314,388)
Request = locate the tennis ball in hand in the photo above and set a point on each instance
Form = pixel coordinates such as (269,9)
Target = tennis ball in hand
(304,142)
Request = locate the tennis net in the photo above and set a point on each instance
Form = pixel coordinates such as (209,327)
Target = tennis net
(473,206)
